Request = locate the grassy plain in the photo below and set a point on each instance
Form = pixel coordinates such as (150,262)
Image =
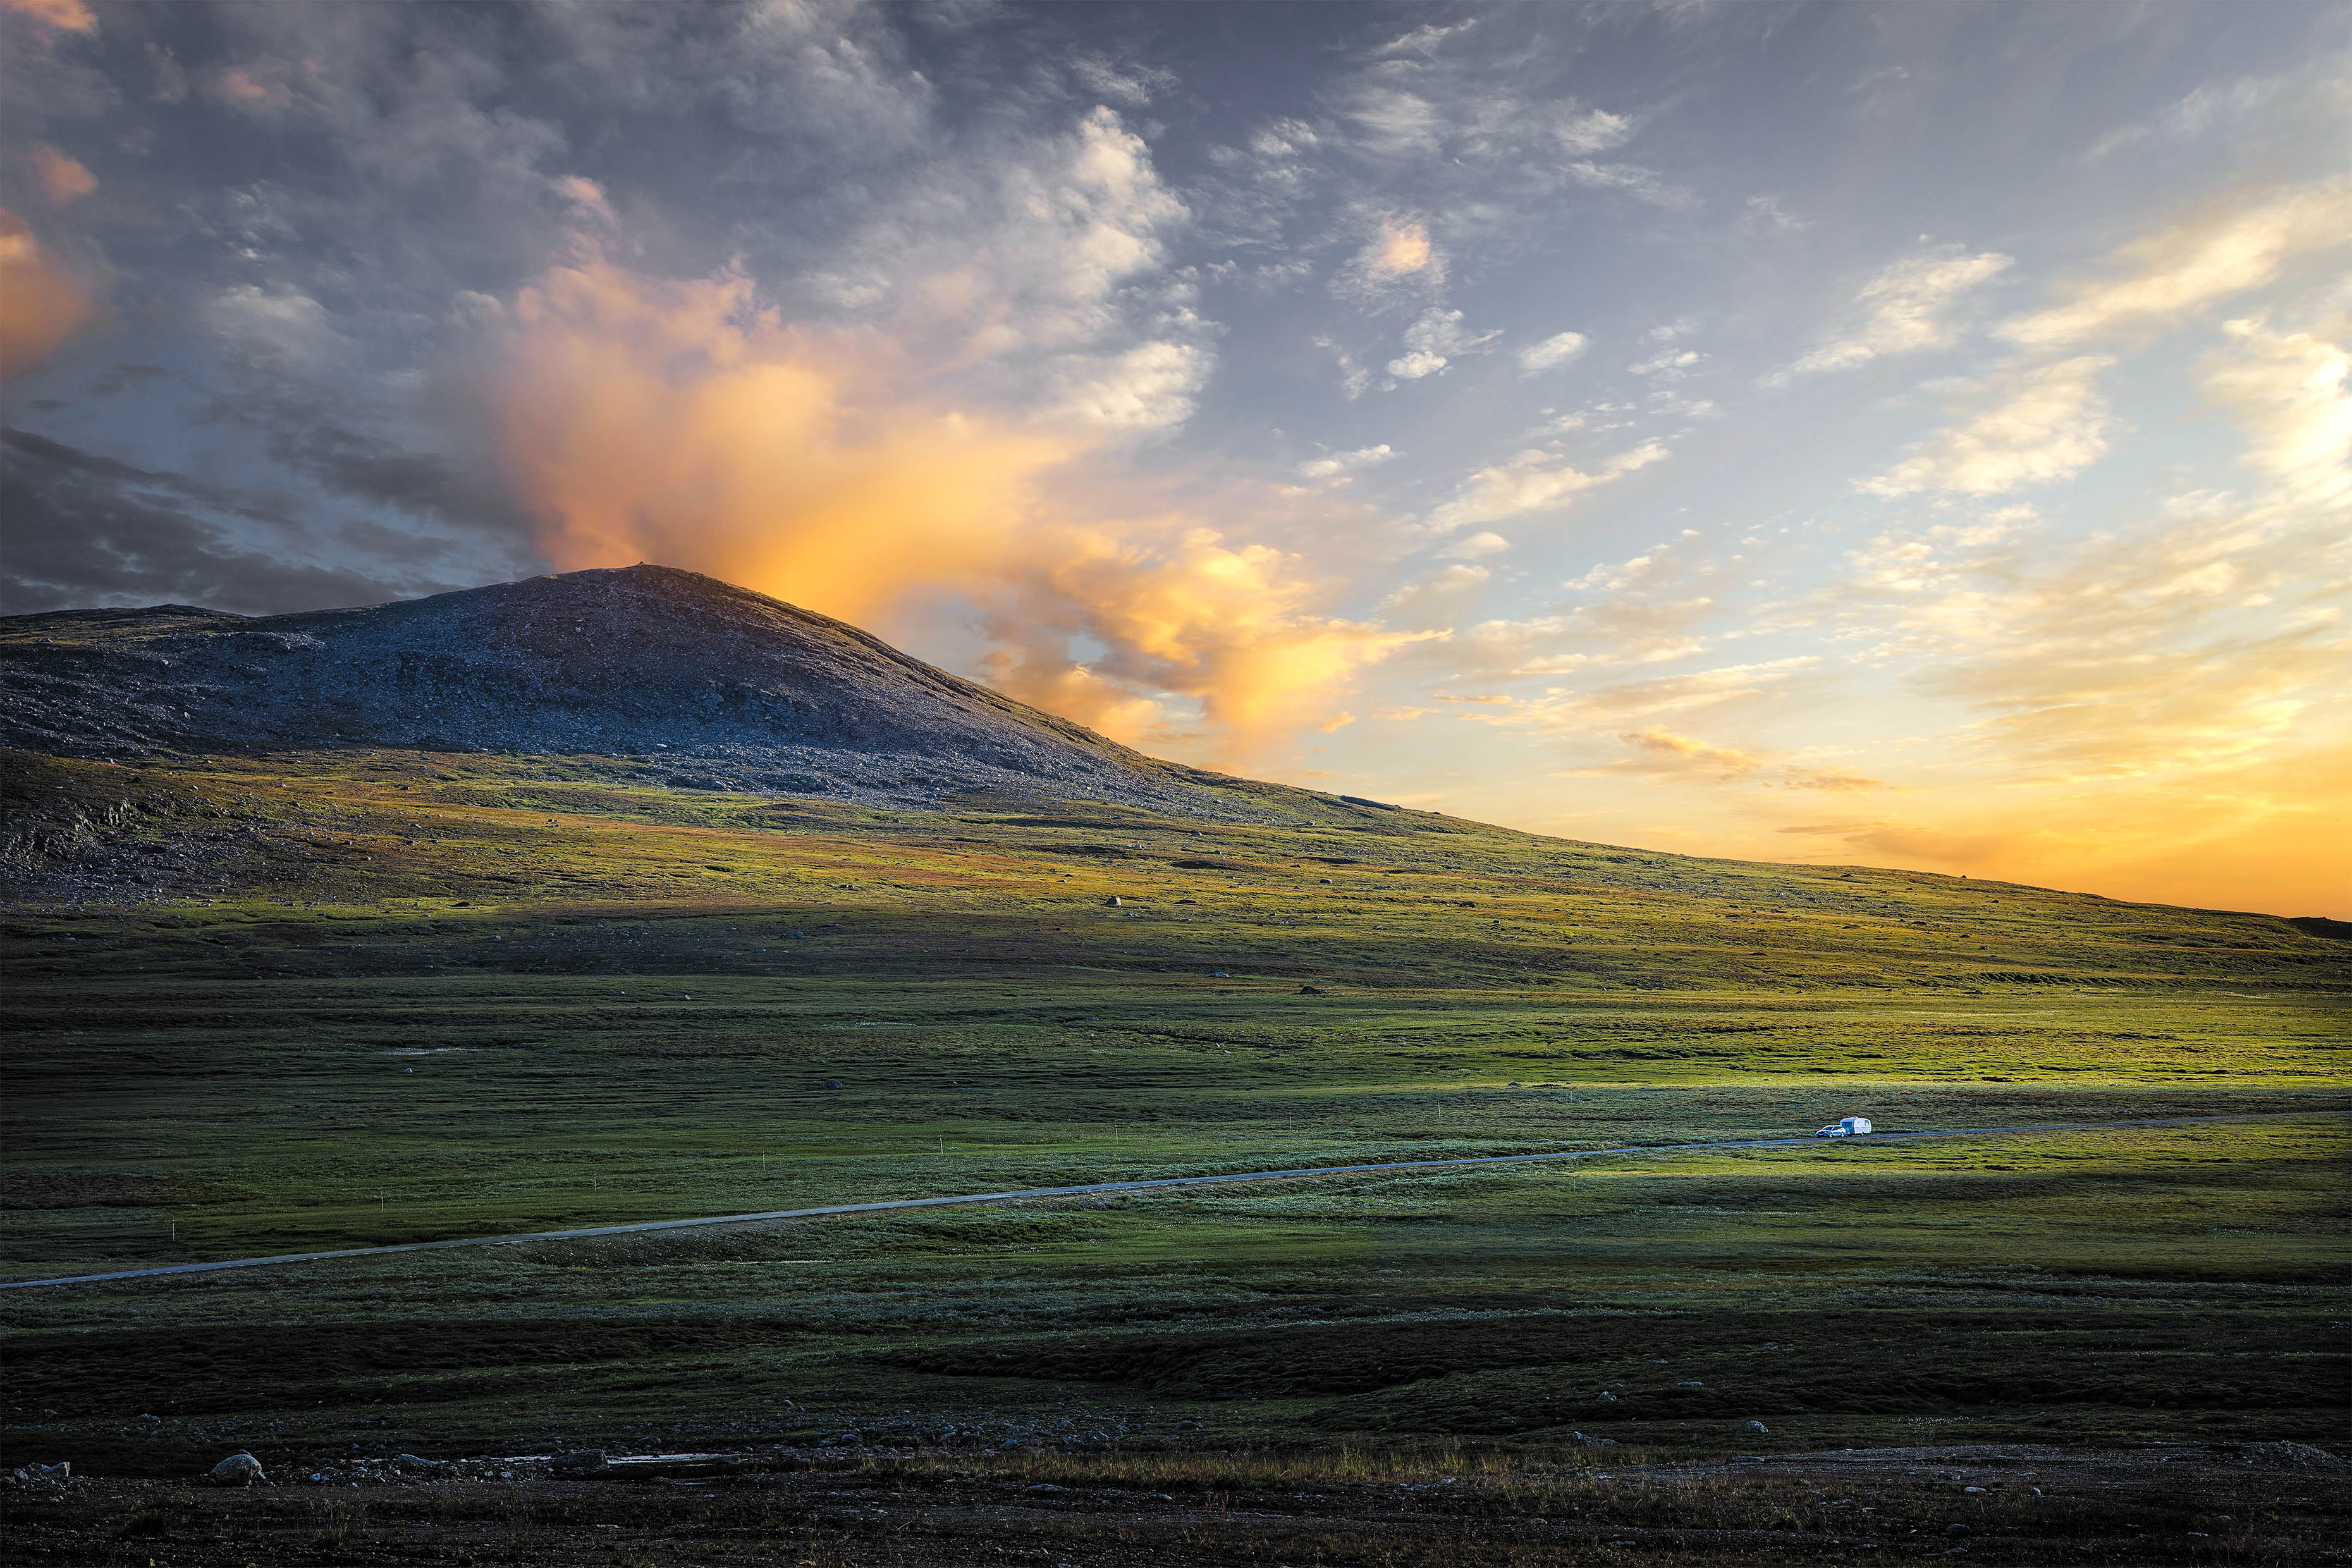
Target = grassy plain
(364,996)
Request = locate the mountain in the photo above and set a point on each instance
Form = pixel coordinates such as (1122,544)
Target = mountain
(710,685)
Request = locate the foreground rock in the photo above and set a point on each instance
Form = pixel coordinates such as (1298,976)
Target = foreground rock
(239,1469)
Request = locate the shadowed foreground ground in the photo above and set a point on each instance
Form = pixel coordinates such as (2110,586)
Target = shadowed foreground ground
(2262,1504)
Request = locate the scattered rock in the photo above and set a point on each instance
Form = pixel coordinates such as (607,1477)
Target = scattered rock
(581,1464)
(2282,1453)
(830,1083)
(239,1469)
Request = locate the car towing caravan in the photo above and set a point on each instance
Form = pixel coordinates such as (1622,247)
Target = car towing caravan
(1845,1127)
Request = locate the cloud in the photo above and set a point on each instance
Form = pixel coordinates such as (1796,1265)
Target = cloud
(2197,641)
(1438,597)
(1031,275)
(1151,387)
(42,303)
(2288,391)
(1904,309)
(77,528)
(2296,102)
(1355,378)
(1668,364)
(828,79)
(281,324)
(1643,185)
(685,422)
(1337,465)
(61,179)
(1592,130)
(1605,709)
(1502,108)
(1393,121)
(1071,221)
(1432,342)
(1662,752)
(1397,263)
(1535,480)
(1423,40)
(264,89)
(65,15)
(1764,215)
(2041,423)
(1836,781)
(1130,86)
(1401,247)
(586,197)
(2163,279)
(1229,626)
(1559,349)
(1476,547)
(121,377)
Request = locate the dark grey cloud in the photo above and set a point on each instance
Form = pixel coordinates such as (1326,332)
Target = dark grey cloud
(77,528)
(122,377)
(344,449)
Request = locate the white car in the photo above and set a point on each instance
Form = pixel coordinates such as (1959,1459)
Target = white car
(1850,1126)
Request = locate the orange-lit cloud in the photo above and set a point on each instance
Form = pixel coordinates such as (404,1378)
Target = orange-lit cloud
(1401,247)
(1232,626)
(61,178)
(685,423)
(41,303)
(66,15)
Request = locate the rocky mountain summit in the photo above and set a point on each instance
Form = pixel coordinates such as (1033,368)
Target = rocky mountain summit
(710,685)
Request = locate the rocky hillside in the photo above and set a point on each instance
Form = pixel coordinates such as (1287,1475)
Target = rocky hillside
(711,685)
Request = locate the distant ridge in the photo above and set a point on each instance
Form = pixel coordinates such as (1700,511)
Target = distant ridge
(714,686)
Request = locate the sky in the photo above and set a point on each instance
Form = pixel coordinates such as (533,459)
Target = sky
(1907,435)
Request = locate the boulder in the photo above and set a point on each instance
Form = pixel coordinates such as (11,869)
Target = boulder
(1758,1426)
(239,1469)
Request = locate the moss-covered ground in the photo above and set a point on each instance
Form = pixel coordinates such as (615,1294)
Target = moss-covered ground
(353,997)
